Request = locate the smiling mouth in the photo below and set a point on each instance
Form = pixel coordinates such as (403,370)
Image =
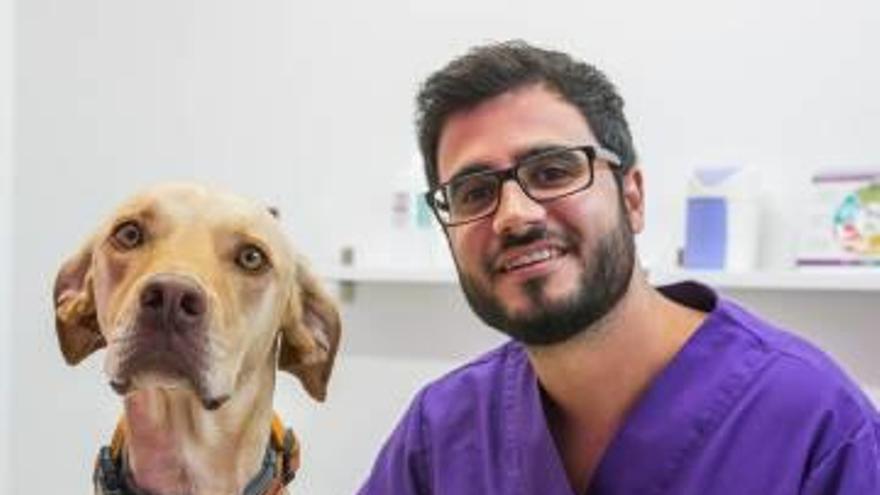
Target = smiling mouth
(531,258)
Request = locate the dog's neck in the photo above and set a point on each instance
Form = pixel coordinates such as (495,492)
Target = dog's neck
(175,446)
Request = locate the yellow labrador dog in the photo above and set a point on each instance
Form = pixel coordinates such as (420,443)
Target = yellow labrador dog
(197,296)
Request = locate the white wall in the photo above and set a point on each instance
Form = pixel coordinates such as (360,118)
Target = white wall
(6,157)
(310,107)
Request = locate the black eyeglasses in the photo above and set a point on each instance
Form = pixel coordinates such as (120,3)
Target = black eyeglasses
(543,177)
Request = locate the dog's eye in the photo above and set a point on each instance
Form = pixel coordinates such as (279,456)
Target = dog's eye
(252,258)
(128,235)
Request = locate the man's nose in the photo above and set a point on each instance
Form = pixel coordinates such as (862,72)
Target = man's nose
(516,210)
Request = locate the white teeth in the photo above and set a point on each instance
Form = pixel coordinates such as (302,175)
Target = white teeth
(528,259)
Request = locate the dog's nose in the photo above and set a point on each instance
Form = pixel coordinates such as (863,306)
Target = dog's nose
(174,301)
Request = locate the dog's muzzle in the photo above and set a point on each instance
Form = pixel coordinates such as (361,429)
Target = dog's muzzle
(169,334)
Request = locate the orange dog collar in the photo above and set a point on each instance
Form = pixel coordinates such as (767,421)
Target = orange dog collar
(278,469)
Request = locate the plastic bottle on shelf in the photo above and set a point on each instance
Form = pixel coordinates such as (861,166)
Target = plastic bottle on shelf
(722,219)
(417,242)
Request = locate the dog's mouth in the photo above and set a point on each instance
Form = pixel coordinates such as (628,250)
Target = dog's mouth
(164,361)
(123,386)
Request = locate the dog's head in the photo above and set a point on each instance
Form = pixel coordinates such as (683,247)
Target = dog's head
(187,286)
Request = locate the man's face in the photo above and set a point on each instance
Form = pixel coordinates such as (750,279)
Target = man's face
(540,272)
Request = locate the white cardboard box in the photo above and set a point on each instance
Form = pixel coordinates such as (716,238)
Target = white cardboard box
(841,225)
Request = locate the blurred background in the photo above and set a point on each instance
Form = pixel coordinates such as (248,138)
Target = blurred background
(309,106)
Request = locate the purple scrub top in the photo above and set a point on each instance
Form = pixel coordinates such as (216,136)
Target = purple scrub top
(743,408)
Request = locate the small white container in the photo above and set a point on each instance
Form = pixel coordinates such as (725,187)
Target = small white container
(722,220)
(416,240)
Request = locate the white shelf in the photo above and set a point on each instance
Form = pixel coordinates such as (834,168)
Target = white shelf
(779,280)
(390,275)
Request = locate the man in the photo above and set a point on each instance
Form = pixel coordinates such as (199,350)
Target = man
(609,385)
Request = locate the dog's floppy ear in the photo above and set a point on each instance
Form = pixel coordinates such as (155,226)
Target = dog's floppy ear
(310,331)
(76,321)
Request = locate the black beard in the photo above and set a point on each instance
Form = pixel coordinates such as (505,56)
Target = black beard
(603,283)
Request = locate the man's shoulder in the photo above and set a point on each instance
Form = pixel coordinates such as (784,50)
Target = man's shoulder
(796,356)
(802,405)
(805,382)
(473,385)
(800,379)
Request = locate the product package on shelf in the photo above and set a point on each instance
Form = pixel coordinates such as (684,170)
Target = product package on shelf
(721,219)
(841,223)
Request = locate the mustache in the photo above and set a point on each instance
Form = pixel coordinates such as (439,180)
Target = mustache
(534,233)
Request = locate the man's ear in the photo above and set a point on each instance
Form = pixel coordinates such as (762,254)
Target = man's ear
(633,191)
(76,321)
(310,332)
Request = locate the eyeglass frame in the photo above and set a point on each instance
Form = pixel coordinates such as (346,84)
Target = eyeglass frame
(593,152)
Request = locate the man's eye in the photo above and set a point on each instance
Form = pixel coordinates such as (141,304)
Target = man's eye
(252,259)
(473,194)
(555,173)
(128,235)
(476,194)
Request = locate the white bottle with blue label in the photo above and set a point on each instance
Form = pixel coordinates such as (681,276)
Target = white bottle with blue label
(721,221)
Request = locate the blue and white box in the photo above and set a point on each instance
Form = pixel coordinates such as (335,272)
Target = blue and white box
(721,221)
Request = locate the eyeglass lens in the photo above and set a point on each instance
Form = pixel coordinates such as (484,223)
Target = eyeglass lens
(543,177)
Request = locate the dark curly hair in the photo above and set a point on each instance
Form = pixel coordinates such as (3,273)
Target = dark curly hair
(490,70)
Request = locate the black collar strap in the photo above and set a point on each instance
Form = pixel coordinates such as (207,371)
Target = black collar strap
(278,469)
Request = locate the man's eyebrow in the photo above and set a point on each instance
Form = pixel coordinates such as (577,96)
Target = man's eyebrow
(538,150)
(479,167)
(471,169)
